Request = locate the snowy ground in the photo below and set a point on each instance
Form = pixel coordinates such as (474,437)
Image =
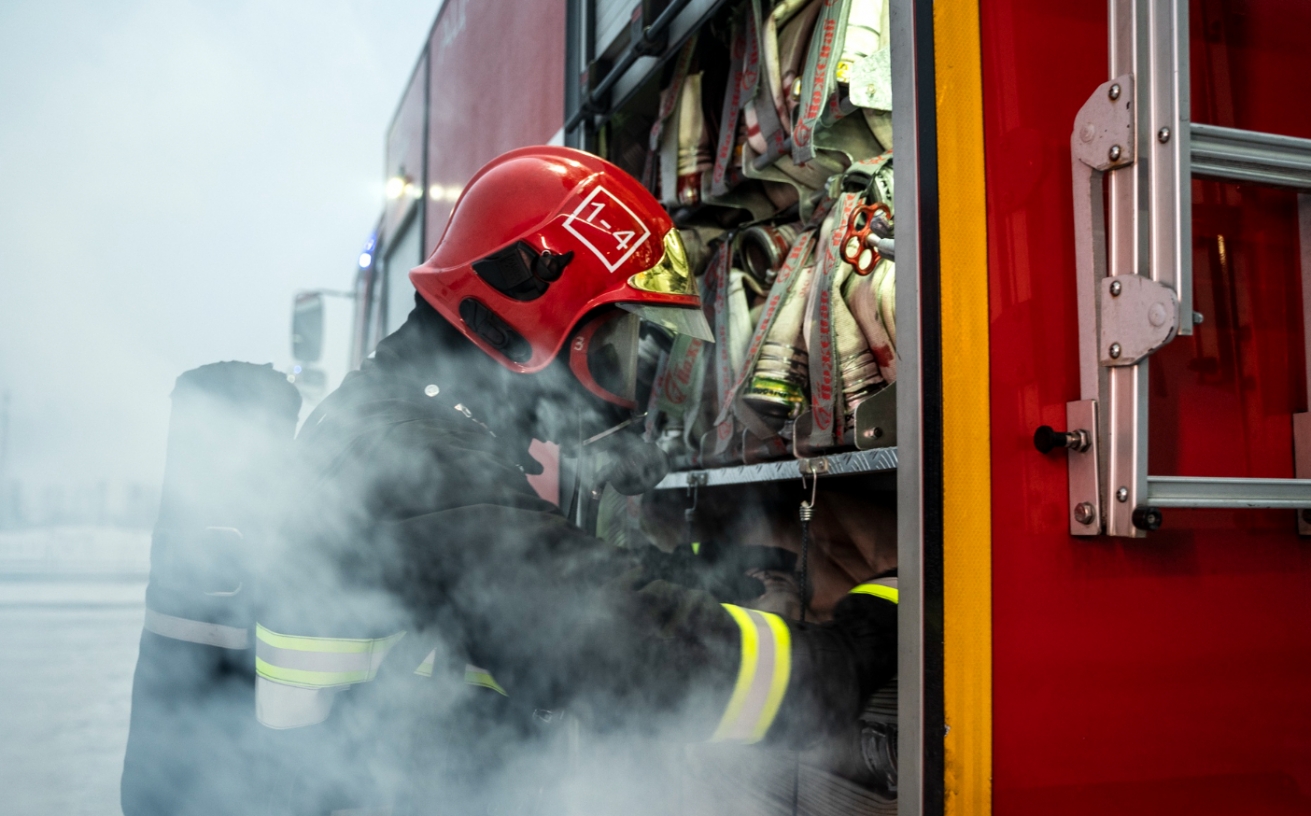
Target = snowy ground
(71,604)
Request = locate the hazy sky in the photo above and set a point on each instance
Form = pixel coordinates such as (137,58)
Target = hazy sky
(171,172)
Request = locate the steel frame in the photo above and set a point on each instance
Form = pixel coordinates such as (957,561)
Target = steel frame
(1135,129)
(920,731)
(919,440)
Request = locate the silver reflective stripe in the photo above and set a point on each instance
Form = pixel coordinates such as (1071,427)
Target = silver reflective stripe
(192,631)
(280,706)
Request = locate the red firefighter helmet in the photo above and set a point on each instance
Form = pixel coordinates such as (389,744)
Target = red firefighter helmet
(542,237)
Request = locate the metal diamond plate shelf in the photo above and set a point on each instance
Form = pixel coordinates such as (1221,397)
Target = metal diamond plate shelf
(838,464)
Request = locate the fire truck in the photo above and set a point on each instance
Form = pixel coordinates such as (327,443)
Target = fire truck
(1073,379)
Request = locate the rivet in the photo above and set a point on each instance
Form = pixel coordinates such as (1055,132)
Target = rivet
(1163,135)
(1122,495)
(1114,153)
(1084,513)
(431,390)
(1157,315)
(1115,351)
(1114,91)
(1116,288)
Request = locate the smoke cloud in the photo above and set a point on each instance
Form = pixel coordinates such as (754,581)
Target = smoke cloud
(170,173)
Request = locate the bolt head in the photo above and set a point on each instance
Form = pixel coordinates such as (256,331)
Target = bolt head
(1114,92)
(1084,513)
(1115,351)
(1158,314)
(1114,153)
(431,390)
(1163,135)
(1122,495)
(1116,288)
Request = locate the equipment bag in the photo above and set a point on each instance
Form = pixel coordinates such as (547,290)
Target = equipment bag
(193,742)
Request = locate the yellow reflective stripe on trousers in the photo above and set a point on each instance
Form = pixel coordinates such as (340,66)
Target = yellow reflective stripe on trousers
(313,662)
(879,589)
(762,676)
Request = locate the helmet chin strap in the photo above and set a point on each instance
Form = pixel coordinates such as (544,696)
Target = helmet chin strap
(613,429)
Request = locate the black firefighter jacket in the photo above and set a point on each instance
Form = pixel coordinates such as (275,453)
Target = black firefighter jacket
(409,516)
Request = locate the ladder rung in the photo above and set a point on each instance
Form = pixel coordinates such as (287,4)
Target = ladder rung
(1246,155)
(1201,491)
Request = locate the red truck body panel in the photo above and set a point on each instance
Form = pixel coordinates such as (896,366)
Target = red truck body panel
(1171,673)
(497,83)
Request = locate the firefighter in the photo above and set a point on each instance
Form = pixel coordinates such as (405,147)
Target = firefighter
(417,552)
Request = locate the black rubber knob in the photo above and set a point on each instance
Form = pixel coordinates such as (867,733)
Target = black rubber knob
(1147,518)
(1046,439)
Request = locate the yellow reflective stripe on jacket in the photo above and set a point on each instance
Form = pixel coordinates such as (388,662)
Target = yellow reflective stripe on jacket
(475,676)
(762,676)
(878,589)
(314,662)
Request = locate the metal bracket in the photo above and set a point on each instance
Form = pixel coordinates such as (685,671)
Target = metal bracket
(1085,490)
(1102,140)
(813,467)
(876,420)
(1103,136)
(1138,316)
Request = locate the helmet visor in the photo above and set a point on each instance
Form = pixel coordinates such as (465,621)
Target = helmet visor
(688,320)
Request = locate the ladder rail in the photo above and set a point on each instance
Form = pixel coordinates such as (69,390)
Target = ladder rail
(1230,154)
(1146,231)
